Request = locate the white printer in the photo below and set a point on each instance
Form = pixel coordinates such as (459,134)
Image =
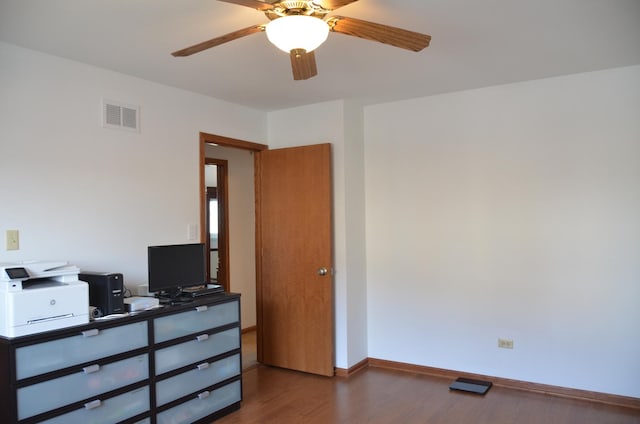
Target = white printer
(41,296)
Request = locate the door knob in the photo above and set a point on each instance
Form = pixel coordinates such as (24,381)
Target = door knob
(322,272)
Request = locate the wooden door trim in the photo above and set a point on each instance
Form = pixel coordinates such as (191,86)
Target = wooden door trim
(204,139)
(257,165)
(221,140)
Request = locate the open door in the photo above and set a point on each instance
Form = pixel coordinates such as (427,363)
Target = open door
(294,258)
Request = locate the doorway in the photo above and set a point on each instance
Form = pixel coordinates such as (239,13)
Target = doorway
(237,158)
(306,255)
(216,222)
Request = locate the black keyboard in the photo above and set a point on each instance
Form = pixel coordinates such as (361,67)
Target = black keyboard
(202,291)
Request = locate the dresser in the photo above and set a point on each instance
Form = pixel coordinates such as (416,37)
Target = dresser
(176,364)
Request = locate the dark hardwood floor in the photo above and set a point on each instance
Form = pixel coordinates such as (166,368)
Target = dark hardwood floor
(381,396)
(249,349)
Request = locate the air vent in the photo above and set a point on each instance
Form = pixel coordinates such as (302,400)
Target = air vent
(119,115)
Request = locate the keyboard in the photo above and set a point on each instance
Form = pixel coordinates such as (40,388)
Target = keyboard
(202,290)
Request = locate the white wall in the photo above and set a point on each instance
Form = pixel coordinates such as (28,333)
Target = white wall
(511,211)
(354,237)
(92,196)
(242,224)
(327,123)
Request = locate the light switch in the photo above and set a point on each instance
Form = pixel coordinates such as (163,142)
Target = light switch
(13,240)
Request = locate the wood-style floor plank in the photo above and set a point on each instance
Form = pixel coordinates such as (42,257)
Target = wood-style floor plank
(383,396)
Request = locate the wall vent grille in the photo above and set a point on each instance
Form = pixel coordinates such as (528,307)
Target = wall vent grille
(120,115)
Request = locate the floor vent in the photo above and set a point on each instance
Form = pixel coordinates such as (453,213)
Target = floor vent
(119,115)
(469,385)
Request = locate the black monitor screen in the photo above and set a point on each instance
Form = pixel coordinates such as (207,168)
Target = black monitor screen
(174,266)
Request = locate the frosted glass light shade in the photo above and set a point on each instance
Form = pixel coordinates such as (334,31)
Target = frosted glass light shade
(297,32)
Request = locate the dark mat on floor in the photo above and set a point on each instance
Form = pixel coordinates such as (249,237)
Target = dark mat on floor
(472,386)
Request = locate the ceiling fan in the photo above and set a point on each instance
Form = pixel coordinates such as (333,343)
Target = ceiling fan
(298,27)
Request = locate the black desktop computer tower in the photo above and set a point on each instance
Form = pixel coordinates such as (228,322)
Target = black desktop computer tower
(106,292)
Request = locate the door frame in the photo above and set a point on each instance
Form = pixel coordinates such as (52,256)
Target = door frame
(204,139)
(219,140)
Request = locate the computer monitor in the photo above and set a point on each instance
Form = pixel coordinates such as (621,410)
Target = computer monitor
(172,267)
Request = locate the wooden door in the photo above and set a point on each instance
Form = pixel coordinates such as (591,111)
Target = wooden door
(294,258)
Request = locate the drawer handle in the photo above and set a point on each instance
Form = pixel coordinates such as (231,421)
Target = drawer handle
(93,404)
(91,368)
(201,308)
(204,395)
(203,366)
(91,333)
(202,337)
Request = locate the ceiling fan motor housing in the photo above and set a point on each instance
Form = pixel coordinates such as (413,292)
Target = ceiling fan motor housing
(296,7)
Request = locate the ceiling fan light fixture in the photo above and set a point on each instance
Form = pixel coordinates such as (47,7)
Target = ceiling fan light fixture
(297,32)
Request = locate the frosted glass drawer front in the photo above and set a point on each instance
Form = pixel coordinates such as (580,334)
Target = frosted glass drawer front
(205,404)
(88,346)
(200,318)
(200,348)
(92,381)
(108,411)
(202,376)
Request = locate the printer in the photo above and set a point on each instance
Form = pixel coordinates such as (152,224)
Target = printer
(41,296)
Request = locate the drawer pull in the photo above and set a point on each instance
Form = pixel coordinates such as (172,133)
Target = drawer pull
(201,308)
(202,337)
(91,368)
(203,366)
(93,404)
(91,333)
(204,395)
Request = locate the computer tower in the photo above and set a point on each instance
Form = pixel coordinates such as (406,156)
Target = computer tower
(106,292)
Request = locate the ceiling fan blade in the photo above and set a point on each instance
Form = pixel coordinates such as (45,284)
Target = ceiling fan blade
(386,34)
(303,64)
(333,4)
(196,48)
(254,4)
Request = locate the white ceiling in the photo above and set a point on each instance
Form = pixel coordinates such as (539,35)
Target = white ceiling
(476,43)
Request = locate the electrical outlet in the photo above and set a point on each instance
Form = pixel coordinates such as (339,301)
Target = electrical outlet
(13,240)
(505,343)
